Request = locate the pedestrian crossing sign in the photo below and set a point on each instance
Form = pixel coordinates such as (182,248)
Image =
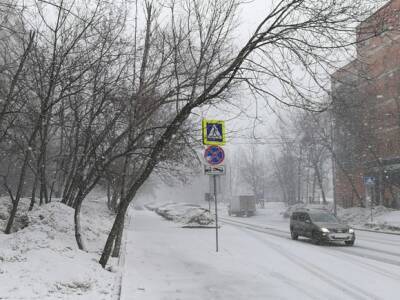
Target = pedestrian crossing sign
(213,132)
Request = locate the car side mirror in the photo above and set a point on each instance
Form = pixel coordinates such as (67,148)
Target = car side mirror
(308,221)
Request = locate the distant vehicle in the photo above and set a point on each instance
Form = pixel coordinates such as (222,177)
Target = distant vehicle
(242,205)
(320,226)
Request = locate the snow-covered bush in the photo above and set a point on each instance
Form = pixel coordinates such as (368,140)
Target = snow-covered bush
(189,214)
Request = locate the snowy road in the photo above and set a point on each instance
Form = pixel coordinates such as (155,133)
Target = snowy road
(164,261)
(376,246)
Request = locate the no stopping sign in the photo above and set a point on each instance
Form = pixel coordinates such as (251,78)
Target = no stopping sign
(214,155)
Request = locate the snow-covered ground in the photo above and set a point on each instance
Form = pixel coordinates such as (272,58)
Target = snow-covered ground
(165,261)
(42,261)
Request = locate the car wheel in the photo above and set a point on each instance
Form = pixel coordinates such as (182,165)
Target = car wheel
(315,238)
(294,235)
(349,243)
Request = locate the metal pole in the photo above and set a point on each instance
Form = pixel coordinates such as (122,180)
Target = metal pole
(370,201)
(334,189)
(216,212)
(210,190)
(334,186)
(333,167)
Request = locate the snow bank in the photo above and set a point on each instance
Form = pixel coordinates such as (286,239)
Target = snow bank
(383,218)
(188,214)
(42,261)
(392,218)
(153,205)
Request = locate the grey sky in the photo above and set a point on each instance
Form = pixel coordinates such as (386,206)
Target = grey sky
(251,14)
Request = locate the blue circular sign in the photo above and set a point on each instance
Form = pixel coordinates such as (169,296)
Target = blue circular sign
(214,155)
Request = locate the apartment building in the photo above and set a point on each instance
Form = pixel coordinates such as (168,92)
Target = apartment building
(366,105)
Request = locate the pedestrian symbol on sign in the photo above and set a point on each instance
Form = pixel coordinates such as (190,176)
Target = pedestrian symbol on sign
(213,132)
(369,180)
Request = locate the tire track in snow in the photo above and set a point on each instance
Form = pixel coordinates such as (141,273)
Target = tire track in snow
(369,256)
(368,266)
(380,241)
(297,285)
(348,250)
(378,250)
(334,281)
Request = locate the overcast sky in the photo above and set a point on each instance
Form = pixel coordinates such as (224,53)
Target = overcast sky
(251,15)
(241,127)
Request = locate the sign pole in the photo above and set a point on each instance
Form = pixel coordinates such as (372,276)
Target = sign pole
(213,132)
(216,212)
(370,201)
(369,183)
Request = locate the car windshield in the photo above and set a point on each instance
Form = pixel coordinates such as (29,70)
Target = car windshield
(323,217)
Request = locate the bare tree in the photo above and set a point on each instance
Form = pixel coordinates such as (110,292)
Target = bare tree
(304,31)
(253,171)
(103,99)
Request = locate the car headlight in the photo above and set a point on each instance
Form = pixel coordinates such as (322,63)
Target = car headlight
(326,230)
(351,230)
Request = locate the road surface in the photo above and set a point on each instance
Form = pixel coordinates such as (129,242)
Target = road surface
(258,261)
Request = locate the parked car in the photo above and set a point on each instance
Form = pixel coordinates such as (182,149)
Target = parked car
(242,205)
(320,226)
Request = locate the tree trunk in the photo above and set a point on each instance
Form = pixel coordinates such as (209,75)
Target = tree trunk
(60,161)
(18,194)
(313,188)
(108,195)
(299,177)
(42,159)
(33,195)
(308,187)
(51,190)
(118,240)
(118,223)
(77,221)
(72,164)
(114,200)
(318,173)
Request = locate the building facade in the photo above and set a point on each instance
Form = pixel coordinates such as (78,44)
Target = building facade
(366,107)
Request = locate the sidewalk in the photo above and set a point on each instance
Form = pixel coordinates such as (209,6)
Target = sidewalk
(164,261)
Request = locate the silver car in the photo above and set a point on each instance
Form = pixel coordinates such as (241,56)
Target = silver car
(320,226)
